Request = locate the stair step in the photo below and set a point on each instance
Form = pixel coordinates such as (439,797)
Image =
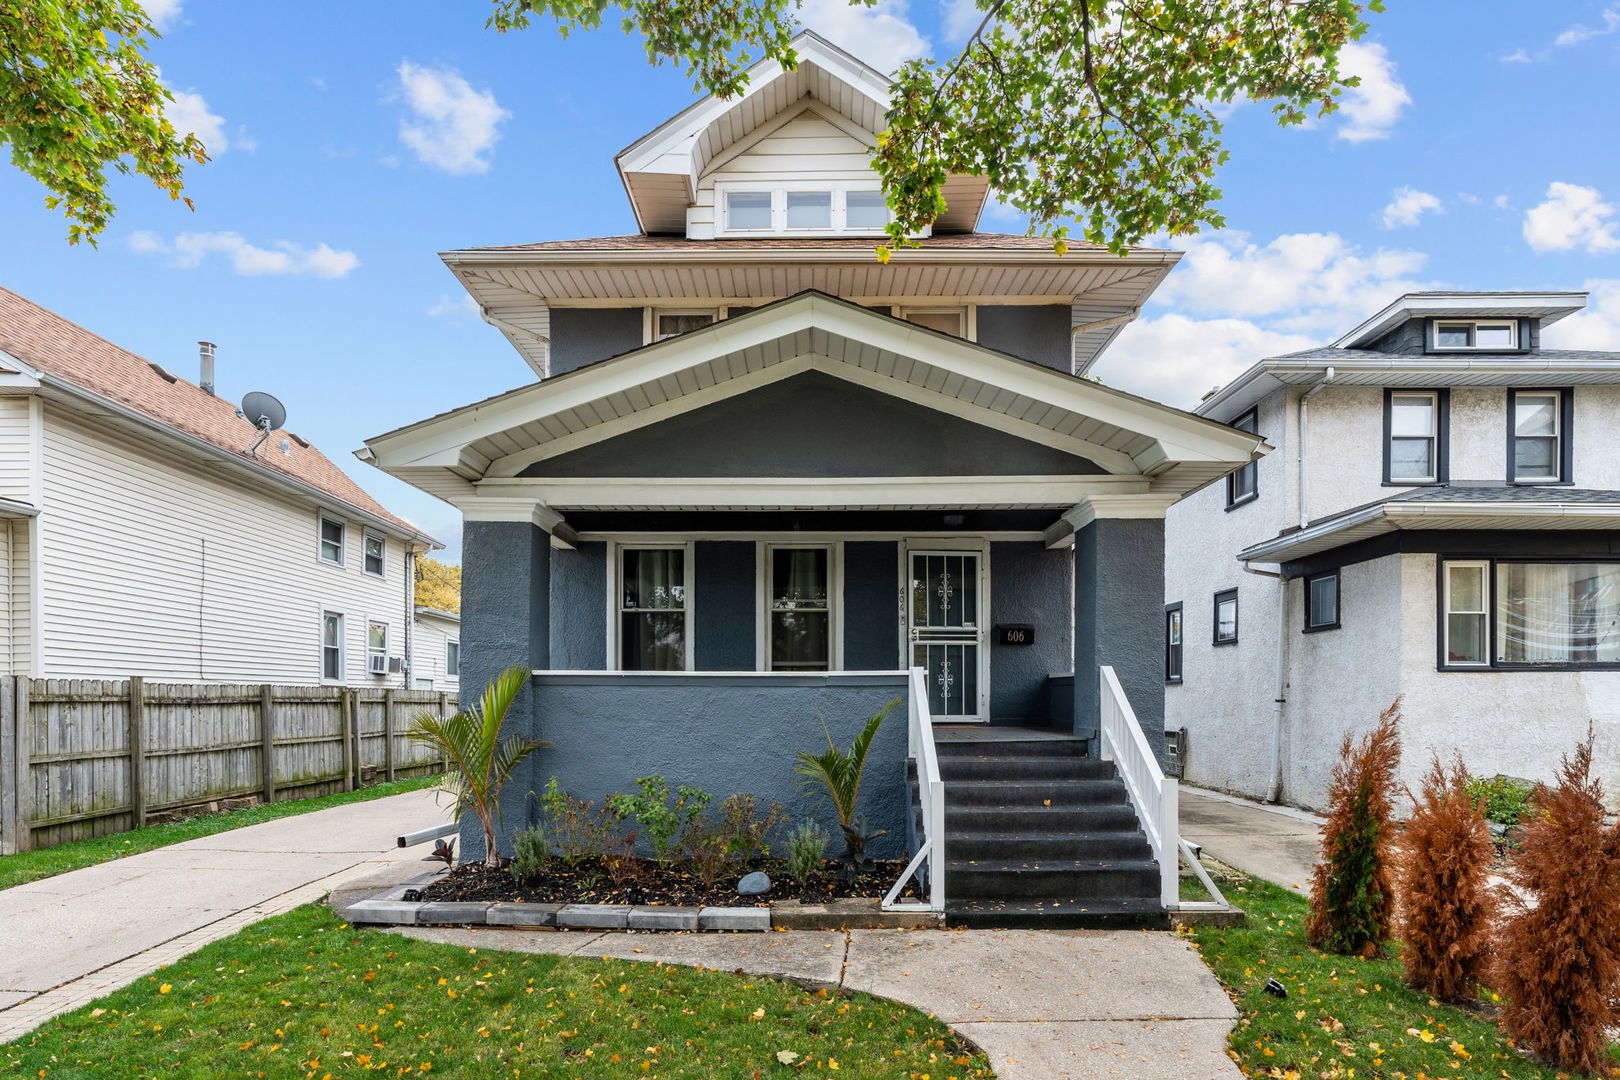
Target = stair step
(1024,847)
(1032,793)
(1038,819)
(1124,914)
(965,767)
(1069,747)
(1056,879)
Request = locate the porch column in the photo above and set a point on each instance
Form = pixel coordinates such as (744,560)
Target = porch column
(505,621)
(1118,605)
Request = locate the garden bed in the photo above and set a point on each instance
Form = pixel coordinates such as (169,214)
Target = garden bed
(601,881)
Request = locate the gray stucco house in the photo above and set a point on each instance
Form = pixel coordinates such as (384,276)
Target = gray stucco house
(762,478)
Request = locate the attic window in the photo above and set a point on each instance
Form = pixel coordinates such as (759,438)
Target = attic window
(799,208)
(1480,335)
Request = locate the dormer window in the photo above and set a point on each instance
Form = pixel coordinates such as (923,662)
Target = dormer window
(1474,335)
(802,208)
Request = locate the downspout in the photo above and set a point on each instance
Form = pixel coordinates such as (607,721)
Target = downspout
(1279,708)
(410,615)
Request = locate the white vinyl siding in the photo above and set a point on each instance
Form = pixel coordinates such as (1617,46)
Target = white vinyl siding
(16,455)
(430,640)
(176,572)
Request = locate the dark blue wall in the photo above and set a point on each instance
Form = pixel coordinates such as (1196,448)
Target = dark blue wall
(579,608)
(872,605)
(814,425)
(722,733)
(1118,619)
(723,608)
(1029,584)
(581,336)
(1039,332)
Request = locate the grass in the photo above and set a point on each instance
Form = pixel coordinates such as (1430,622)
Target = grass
(306,995)
(1343,1017)
(46,862)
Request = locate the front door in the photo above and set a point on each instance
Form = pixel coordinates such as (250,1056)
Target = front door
(945,625)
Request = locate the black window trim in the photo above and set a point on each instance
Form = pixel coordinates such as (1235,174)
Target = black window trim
(1338,602)
(1431,349)
(1493,664)
(1232,500)
(1442,435)
(1215,622)
(1181,666)
(1566,431)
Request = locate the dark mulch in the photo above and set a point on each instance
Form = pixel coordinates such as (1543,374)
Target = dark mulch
(589,882)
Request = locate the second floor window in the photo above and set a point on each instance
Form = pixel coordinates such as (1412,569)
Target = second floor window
(1244,485)
(331,540)
(1414,437)
(1538,436)
(1226,617)
(376,552)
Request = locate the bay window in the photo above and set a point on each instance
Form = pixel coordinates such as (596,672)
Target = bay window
(1510,613)
(653,594)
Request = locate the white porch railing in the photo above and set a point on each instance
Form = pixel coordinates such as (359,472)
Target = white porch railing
(1152,794)
(931,793)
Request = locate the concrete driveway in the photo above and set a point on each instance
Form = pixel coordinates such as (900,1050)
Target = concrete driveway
(1277,843)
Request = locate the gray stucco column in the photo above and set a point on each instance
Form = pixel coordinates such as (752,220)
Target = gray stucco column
(505,621)
(1118,607)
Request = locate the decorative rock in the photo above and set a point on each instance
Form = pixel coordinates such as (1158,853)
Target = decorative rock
(452,913)
(593,916)
(523,914)
(392,912)
(663,918)
(754,884)
(735,918)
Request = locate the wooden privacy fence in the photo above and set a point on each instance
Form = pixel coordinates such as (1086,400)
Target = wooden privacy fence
(87,757)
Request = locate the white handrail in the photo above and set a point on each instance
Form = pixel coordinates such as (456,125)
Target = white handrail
(1153,794)
(931,793)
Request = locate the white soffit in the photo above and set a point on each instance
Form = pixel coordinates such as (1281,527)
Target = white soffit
(1548,307)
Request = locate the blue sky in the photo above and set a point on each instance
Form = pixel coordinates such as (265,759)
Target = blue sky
(353,141)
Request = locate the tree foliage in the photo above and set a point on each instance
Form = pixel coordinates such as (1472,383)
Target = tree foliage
(78,96)
(1351,897)
(1448,909)
(438,585)
(1558,963)
(1104,112)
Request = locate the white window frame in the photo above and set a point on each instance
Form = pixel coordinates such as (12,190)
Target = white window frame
(452,670)
(1557,436)
(372,651)
(1487,589)
(837,217)
(366,537)
(1433,437)
(968,314)
(1473,332)
(651,329)
(342,647)
(615,598)
(321,521)
(835,605)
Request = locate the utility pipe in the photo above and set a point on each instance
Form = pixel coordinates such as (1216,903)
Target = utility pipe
(1303,455)
(1279,705)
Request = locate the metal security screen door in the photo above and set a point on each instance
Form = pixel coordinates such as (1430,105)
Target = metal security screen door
(946,624)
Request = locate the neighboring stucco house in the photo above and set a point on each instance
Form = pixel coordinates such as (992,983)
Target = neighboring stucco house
(761,474)
(147,529)
(1442,512)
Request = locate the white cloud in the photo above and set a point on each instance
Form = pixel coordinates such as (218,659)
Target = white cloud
(1372,108)
(1598,327)
(452,126)
(960,18)
(881,35)
(188,250)
(1407,205)
(1501,202)
(163,13)
(189,114)
(1571,217)
(454,310)
(1518,56)
(1177,359)
(1581,32)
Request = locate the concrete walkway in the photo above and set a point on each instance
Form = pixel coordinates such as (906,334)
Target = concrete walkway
(1277,843)
(1044,1005)
(83,934)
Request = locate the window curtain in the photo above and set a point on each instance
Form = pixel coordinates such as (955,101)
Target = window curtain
(1558,613)
(653,621)
(800,620)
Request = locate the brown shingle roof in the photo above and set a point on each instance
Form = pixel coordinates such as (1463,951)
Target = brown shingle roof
(46,341)
(977,241)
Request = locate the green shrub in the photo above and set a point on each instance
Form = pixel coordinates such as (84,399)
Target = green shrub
(744,831)
(663,825)
(807,846)
(531,854)
(579,829)
(1507,800)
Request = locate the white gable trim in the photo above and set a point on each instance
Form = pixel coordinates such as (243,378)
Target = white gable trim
(781,120)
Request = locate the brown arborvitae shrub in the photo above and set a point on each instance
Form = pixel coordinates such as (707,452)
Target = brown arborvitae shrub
(1558,961)
(1448,910)
(1351,898)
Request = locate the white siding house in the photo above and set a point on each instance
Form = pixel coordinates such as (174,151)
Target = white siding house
(142,535)
(436,650)
(1457,534)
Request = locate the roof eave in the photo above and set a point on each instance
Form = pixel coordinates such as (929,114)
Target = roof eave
(1410,306)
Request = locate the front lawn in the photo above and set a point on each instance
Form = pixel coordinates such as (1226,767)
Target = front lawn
(46,862)
(1343,1017)
(306,995)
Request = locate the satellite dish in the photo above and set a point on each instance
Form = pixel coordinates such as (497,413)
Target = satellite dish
(263,411)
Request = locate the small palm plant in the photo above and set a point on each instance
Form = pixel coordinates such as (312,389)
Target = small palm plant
(481,761)
(839,774)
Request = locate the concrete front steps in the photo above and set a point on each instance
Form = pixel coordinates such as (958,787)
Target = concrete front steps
(1040,836)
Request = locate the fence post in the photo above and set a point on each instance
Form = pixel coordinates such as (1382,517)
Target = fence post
(267,741)
(388,734)
(21,712)
(346,730)
(137,752)
(444,711)
(8,766)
